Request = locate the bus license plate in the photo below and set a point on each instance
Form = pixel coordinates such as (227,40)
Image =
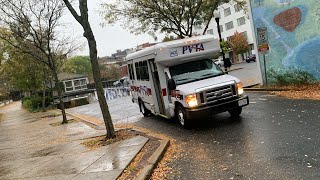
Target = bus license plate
(243,102)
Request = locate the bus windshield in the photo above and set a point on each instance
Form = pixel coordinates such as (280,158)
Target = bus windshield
(193,71)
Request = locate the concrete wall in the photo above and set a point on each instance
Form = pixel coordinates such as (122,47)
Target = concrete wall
(294,33)
(3,103)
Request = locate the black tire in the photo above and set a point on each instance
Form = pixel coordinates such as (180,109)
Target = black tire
(180,114)
(146,112)
(235,112)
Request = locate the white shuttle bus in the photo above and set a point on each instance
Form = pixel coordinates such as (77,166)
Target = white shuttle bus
(179,79)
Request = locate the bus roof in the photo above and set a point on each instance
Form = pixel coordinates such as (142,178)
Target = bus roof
(188,48)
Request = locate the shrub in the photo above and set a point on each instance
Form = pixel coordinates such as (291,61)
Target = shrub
(27,104)
(291,76)
(32,103)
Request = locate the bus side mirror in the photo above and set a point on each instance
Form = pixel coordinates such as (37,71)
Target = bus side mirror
(171,84)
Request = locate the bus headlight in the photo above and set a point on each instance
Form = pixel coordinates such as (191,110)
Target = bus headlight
(191,100)
(240,88)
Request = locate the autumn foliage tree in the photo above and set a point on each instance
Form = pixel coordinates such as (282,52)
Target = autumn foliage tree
(110,72)
(239,43)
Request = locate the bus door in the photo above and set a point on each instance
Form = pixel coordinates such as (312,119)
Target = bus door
(157,86)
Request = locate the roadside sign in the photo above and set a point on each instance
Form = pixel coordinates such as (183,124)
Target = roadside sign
(263,46)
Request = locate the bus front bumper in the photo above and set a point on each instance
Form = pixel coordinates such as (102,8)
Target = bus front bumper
(208,111)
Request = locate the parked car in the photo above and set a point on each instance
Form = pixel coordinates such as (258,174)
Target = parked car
(218,62)
(251,58)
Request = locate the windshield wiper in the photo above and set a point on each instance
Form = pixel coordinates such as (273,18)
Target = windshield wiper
(212,75)
(206,74)
(184,79)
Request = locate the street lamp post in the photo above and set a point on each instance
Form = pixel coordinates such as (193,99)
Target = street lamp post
(217,18)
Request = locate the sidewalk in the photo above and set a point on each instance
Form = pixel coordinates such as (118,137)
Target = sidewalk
(31,148)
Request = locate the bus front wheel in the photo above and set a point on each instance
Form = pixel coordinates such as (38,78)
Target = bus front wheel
(182,118)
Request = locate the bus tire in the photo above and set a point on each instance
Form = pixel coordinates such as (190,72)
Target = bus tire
(146,112)
(235,112)
(180,114)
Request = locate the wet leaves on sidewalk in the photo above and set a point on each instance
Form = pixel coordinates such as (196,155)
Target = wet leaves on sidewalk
(60,124)
(141,159)
(96,142)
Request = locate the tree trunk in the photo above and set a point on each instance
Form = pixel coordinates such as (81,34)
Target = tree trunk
(97,79)
(88,34)
(57,84)
(44,97)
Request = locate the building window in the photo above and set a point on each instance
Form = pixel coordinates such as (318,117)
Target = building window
(210,31)
(229,25)
(241,21)
(80,84)
(221,28)
(74,85)
(245,34)
(227,12)
(68,85)
(237,7)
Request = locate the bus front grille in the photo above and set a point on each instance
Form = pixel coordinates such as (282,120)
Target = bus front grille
(218,95)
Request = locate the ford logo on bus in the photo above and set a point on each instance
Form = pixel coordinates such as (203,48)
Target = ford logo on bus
(218,94)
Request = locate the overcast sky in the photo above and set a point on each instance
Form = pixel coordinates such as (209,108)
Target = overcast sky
(109,38)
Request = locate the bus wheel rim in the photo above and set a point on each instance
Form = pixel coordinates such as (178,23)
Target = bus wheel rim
(181,119)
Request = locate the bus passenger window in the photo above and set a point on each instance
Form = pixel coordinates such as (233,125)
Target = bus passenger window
(137,70)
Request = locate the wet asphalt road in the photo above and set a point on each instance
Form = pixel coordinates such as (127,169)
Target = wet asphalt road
(275,138)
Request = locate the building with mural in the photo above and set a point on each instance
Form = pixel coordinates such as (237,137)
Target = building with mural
(293,34)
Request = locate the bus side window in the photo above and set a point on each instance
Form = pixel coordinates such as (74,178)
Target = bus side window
(140,69)
(169,91)
(137,70)
(131,75)
(145,71)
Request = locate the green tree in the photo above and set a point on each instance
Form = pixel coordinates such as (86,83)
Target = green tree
(78,65)
(31,28)
(83,20)
(168,16)
(225,46)
(22,73)
(169,38)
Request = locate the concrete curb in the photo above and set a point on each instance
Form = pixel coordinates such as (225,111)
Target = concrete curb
(250,88)
(265,89)
(153,160)
(84,120)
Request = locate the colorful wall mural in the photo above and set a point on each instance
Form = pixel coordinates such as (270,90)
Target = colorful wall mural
(293,31)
